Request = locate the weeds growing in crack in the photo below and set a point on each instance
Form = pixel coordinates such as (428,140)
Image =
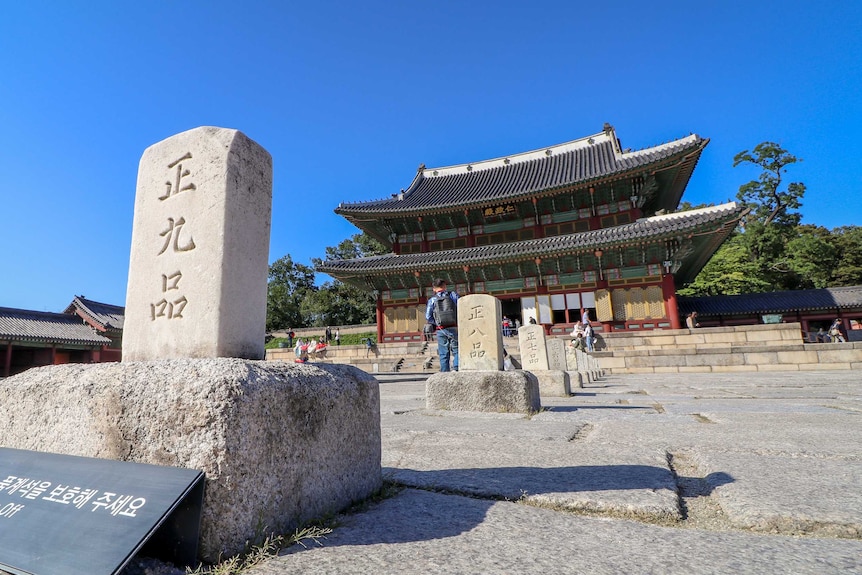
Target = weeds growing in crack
(313,533)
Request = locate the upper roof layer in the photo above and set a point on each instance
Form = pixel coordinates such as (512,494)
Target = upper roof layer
(724,216)
(774,302)
(522,175)
(105,315)
(47,327)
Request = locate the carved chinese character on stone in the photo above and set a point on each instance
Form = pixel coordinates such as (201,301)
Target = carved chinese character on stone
(479,334)
(200,248)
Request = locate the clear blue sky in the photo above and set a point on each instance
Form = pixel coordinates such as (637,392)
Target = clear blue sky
(350,97)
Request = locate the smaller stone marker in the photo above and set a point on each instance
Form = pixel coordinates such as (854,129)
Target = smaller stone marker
(556,353)
(200,244)
(534,352)
(480,339)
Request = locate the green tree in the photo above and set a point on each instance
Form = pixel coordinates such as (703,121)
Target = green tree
(773,217)
(288,285)
(768,202)
(848,244)
(338,303)
(809,258)
(729,272)
(757,259)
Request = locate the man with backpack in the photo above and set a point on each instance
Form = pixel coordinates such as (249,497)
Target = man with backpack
(442,312)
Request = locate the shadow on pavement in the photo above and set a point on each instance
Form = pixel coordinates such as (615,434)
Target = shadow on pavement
(429,511)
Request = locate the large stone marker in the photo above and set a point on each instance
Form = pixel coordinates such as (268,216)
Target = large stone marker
(556,353)
(480,339)
(534,353)
(481,384)
(280,443)
(487,391)
(200,243)
(538,355)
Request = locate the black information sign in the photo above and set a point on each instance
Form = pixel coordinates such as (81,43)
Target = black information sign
(61,514)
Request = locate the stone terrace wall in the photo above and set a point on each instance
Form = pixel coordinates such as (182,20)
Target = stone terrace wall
(773,347)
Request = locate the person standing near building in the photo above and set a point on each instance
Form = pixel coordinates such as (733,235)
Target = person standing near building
(442,312)
(328,334)
(337,337)
(835,331)
(691,320)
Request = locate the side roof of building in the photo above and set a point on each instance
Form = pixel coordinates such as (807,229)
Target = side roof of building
(824,299)
(46,327)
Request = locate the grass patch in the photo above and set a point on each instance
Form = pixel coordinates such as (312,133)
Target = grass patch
(312,533)
(270,547)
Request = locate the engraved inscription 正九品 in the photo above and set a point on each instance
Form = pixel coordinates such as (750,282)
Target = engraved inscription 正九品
(173,308)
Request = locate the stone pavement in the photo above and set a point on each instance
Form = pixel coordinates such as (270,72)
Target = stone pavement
(665,474)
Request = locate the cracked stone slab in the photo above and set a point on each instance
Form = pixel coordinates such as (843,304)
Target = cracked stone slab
(436,534)
(563,475)
(793,495)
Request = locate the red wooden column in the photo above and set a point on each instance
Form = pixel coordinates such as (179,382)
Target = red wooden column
(7,367)
(379,316)
(668,291)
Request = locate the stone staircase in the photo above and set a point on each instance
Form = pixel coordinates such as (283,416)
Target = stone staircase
(405,357)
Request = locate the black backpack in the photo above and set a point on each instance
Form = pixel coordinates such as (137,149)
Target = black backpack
(445,311)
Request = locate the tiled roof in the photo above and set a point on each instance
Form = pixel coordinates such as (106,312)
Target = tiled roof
(106,315)
(644,228)
(521,175)
(46,327)
(773,302)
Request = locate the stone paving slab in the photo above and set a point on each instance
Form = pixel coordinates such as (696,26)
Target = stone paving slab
(659,473)
(560,474)
(432,533)
(790,494)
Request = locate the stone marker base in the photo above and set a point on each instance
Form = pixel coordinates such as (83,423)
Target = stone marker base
(577,379)
(280,444)
(553,383)
(492,391)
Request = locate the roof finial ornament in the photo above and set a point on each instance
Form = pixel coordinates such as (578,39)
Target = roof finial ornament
(607,128)
(420,168)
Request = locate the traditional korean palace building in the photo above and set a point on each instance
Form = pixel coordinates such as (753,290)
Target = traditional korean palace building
(551,232)
(86,332)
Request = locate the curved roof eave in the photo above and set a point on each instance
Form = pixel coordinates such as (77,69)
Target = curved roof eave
(668,225)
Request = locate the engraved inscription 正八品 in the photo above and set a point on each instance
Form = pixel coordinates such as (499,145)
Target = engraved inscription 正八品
(476,312)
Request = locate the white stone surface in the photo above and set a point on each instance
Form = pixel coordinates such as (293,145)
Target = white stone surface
(280,443)
(534,352)
(553,383)
(480,338)
(556,353)
(491,391)
(200,248)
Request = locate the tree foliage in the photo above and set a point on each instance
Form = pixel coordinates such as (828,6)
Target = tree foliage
(773,251)
(768,202)
(293,300)
(338,303)
(288,285)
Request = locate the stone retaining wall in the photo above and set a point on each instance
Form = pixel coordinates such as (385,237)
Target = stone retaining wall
(773,347)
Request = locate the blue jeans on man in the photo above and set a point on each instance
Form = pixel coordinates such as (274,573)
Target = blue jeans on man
(447,347)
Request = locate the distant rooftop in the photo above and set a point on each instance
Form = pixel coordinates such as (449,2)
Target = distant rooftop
(47,327)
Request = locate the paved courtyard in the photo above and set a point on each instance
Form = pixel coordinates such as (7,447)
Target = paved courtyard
(688,474)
